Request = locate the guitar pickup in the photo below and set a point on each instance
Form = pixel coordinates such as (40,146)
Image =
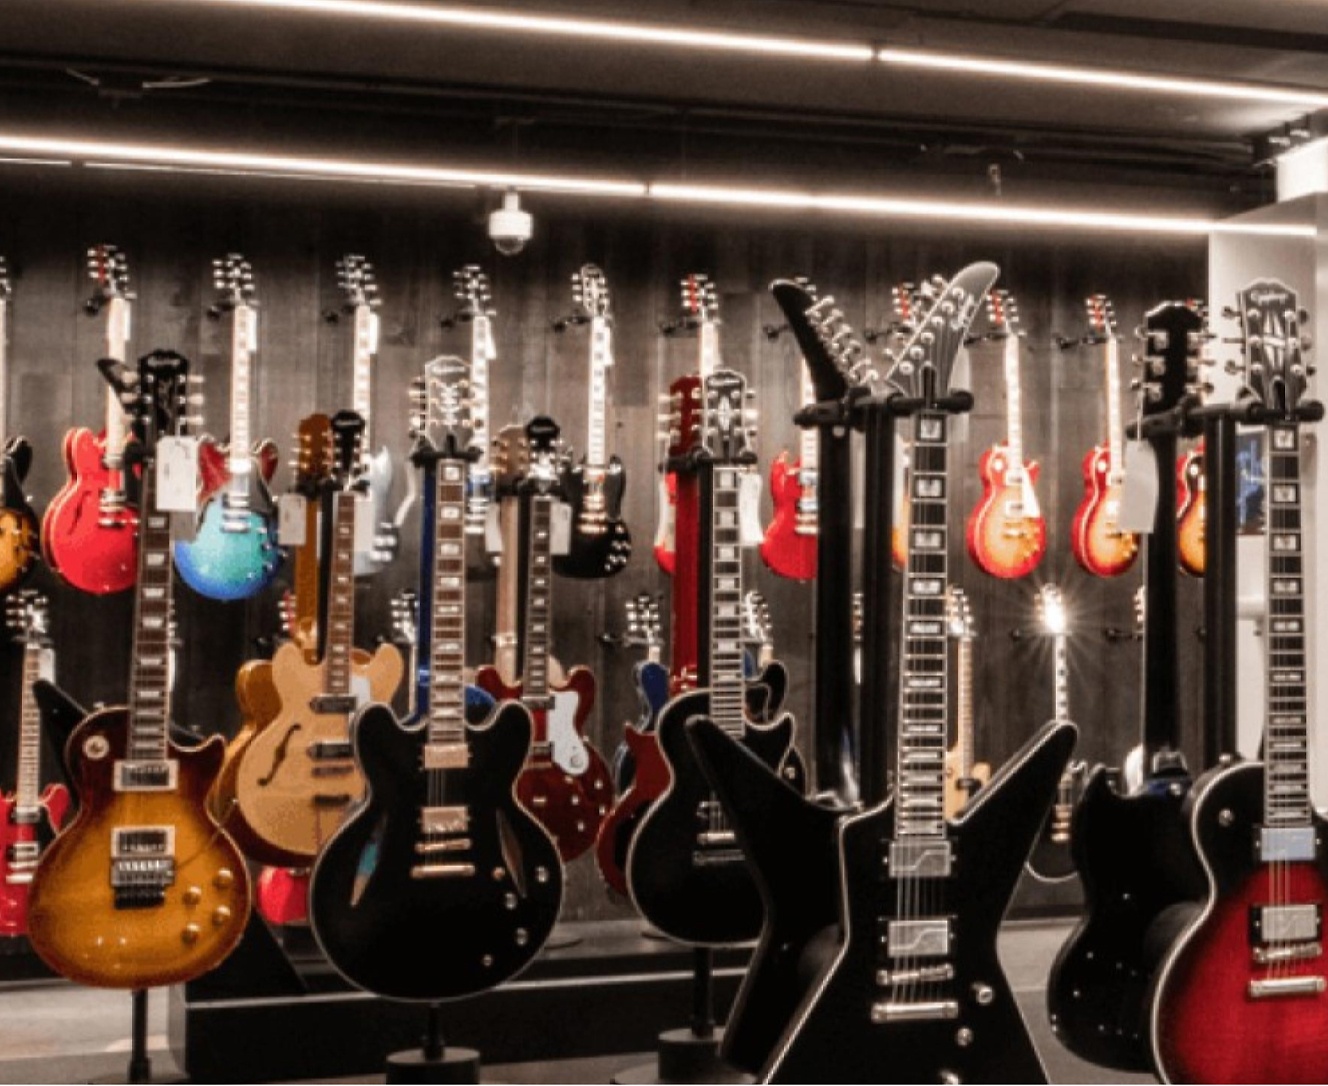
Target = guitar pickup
(332,799)
(932,860)
(328,704)
(1289,844)
(928,938)
(23,853)
(444,820)
(146,776)
(446,755)
(1283,987)
(330,748)
(1273,924)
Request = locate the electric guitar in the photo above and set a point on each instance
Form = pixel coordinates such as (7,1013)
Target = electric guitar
(685,871)
(472,289)
(1006,534)
(1052,860)
(297,778)
(964,775)
(234,552)
(142,888)
(359,288)
(600,544)
(89,532)
(30,815)
(666,496)
(907,300)
(1250,969)
(565,783)
(465,885)
(649,676)
(1098,544)
(789,546)
(1191,515)
(18,523)
(1131,843)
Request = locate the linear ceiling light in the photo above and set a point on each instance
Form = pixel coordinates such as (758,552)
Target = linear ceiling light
(521,23)
(1102,77)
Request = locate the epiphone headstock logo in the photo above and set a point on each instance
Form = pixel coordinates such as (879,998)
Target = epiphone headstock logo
(1265,295)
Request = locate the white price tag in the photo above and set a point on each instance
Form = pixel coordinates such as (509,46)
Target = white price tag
(177,475)
(365,527)
(749,509)
(493,529)
(291,509)
(1138,506)
(560,528)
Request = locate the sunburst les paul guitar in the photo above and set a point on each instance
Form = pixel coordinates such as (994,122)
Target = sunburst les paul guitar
(143,888)
(1191,513)
(964,774)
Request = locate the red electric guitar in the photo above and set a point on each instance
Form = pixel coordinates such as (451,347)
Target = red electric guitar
(31,815)
(1099,545)
(565,783)
(1190,514)
(789,546)
(89,533)
(1242,994)
(1007,536)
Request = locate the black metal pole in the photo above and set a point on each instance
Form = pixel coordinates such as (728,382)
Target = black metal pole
(433,1034)
(140,1066)
(703,991)
(876,713)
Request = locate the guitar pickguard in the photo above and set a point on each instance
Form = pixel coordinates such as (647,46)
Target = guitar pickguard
(566,746)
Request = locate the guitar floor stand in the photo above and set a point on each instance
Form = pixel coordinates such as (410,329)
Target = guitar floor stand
(139,1068)
(690,1054)
(433,1061)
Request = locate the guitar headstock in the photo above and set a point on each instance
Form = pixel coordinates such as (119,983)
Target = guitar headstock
(470,284)
(1051,612)
(726,437)
(1101,315)
(405,609)
(1271,323)
(756,625)
(233,279)
(1174,337)
(1002,315)
(6,287)
(159,401)
(700,299)
(355,279)
(108,268)
(442,421)
(314,461)
(835,356)
(28,615)
(590,292)
(958,614)
(922,368)
(644,627)
(347,449)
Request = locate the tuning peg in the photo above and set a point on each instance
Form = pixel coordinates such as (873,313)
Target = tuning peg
(1306,342)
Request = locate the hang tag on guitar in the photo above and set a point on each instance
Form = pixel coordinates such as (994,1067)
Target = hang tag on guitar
(749,509)
(177,475)
(560,528)
(1138,503)
(365,528)
(493,529)
(290,520)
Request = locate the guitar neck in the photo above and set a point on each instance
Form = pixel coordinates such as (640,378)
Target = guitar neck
(964,705)
(601,358)
(1061,677)
(1115,429)
(447,644)
(1014,403)
(340,638)
(708,349)
(365,348)
(809,440)
(28,777)
(723,673)
(506,642)
(481,355)
(4,371)
(535,641)
(244,342)
(305,590)
(150,681)
(117,347)
(1286,747)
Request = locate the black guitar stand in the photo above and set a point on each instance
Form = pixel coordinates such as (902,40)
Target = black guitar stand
(433,1061)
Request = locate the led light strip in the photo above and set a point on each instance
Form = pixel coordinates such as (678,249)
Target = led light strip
(94,154)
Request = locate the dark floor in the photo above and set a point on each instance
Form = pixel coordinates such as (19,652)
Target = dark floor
(51,1031)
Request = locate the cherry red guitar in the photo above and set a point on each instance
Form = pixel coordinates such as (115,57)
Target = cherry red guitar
(30,815)
(1098,543)
(1190,513)
(1242,994)
(789,546)
(1007,536)
(89,533)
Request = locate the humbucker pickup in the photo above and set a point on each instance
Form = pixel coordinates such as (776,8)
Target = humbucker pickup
(330,748)
(926,860)
(446,755)
(328,704)
(1285,924)
(146,776)
(22,853)
(1290,844)
(925,938)
(444,819)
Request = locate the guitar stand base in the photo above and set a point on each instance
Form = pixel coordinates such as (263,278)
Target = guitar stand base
(454,1065)
(684,1057)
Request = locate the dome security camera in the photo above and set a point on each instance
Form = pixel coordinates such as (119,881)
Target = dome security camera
(509,226)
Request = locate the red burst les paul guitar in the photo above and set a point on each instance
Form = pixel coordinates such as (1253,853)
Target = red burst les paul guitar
(89,533)
(1007,536)
(30,815)
(1242,994)
(1099,546)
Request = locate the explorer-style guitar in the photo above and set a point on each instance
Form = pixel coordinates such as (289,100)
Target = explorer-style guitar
(471,285)
(465,886)
(600,543)
(789,546)
(1242,995)
(1006,533)
(1098,544)
(18,523)
(234,552)
(89,532)
(685,871)
(142,888)
(30,815)
(964,774)
(1191,484)
(297,778)
(565,783)
(1131,842)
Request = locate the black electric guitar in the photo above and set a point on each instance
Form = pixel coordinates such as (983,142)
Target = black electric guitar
(685,871)
(1132,845)
(465,886)
(600,542)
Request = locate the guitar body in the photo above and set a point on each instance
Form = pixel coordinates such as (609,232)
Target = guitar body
(431,939)
(601,553)
(665,554)
(74,920)
(91,556)
(649,781)
(786,550)
(1142,884)
(1203,986)
(570,805)
(899,534)
(288,798)
(651,679)
(379,478)
(22,844)
(1002,539)
(1099,546)
(259,704)
(223,564)
(958,790)
(833,1028)
(697,890)
(18,523)
(1190,519)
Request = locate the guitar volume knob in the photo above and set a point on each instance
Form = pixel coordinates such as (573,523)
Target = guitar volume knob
(221,916)
(224,879)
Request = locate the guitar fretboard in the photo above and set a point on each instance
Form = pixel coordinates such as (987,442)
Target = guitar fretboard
(923,710)
(341,595)
(447,687)
(1014,402)
(725,680)
(1286,757)
(4,369)
(964,704)
(29,737)
(244,340)
(117,347)
(1061,675)
(535,644)
(366,346)
(150,685)
(1115,433)
(601,358)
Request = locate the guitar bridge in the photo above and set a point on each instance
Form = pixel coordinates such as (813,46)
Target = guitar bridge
(887,1011)
(142,865)
(1283,987)
(1295,952)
